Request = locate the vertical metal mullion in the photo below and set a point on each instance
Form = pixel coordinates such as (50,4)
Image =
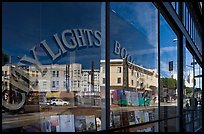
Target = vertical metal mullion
(194,32)
(191,26)
(185,14)
(187,19)
(175,6)
(188,22)
(192,29)
(196,36)
(105,100)
(107,58)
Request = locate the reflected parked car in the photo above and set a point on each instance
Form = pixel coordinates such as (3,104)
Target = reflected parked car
(58,102)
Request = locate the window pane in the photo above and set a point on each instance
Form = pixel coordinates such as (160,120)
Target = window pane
(187,22)
(133,47)
(64,42)
(168,70)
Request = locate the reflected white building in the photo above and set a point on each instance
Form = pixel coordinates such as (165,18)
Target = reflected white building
(70,77)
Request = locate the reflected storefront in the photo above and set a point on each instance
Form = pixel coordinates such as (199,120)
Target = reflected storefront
(95,66)
(133,65)
(54,66)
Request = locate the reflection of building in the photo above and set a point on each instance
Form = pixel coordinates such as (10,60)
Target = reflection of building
(138,77)
(55,79)
(59,78)
(18,79)
(129,81)
(5,77)
(87,88)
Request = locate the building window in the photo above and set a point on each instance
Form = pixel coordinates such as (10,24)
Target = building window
(36,73)
(64,84)
(75,72)
(64,73)
(119,70)
(119,81)
(132,82)
(53,84)
(57,73)
(6,84)
(104,80)
(53,73)
(33,73)
(132,72)
(78,72)
(57,83)
(138,83)
(103,68)
(141,84)
(44,83)
(78,83)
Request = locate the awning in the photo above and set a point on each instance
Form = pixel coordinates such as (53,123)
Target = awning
(52,94)
(59,95)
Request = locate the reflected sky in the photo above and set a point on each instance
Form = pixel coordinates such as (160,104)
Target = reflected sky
(133,25)
(168,49)
(25,25)
(136,30)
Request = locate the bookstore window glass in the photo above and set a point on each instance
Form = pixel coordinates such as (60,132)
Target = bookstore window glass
(188,89)
(62,41)
(168,71)
(169,125)
(134,46)
(197,96)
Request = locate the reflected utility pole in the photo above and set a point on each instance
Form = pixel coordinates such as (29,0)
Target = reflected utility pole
(92,83)
(67,78)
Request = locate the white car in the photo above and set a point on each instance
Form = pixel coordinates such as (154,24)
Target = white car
(58,102)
